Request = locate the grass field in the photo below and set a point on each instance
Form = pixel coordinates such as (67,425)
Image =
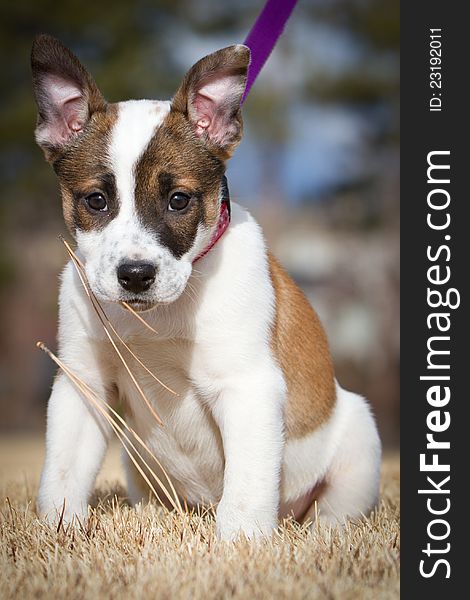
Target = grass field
(129,554)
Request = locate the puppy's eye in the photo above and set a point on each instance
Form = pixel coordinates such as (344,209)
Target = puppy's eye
(179,201)
(96,202)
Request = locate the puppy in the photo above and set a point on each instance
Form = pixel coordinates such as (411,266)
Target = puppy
(259,426)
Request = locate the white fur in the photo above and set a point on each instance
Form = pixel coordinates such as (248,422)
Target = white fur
(222,440)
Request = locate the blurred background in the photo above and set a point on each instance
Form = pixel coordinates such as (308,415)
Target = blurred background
(318,167)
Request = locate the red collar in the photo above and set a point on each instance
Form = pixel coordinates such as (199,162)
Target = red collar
(223,223)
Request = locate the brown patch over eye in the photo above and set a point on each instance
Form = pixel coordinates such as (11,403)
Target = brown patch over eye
(176,163)
(83,170)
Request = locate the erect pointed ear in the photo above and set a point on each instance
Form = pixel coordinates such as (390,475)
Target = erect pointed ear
(210,97)
(65,93)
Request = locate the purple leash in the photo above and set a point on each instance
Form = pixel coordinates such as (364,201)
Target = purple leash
(264,35)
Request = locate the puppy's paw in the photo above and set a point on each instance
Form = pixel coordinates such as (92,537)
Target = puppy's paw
(233,522)
(64,514)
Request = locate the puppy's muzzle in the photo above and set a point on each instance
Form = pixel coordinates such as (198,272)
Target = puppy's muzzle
(136,277)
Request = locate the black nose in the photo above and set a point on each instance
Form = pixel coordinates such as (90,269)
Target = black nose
(136,277)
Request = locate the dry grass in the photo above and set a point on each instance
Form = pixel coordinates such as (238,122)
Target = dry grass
(129,554)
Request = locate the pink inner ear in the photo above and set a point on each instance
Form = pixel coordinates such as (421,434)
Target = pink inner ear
(204,111)
(72,109)
(212,106)
(67,111)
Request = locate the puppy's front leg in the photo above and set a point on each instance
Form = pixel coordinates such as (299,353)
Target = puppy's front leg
(250,417)
(76,441)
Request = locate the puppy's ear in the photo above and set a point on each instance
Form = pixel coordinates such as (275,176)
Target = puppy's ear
(210,97)
(65,93)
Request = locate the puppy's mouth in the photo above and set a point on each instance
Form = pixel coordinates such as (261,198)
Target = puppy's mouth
(140,305)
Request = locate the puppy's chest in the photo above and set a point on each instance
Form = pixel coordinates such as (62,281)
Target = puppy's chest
(188,444)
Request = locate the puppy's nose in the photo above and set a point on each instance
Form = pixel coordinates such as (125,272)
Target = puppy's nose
(136,277)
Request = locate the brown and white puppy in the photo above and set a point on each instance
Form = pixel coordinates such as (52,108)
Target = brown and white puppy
(259,427)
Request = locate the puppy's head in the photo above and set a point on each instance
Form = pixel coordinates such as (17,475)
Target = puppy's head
(140,180)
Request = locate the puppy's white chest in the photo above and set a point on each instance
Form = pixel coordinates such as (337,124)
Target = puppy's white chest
(189,444)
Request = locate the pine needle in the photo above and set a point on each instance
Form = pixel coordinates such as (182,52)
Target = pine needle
(99,404)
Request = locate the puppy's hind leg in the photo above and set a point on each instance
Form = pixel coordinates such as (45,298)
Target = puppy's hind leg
(138,490)
(352,482)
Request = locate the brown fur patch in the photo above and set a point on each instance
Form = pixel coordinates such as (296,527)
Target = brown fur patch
(83,167)
(80,162)
(177,160)
(301,348)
